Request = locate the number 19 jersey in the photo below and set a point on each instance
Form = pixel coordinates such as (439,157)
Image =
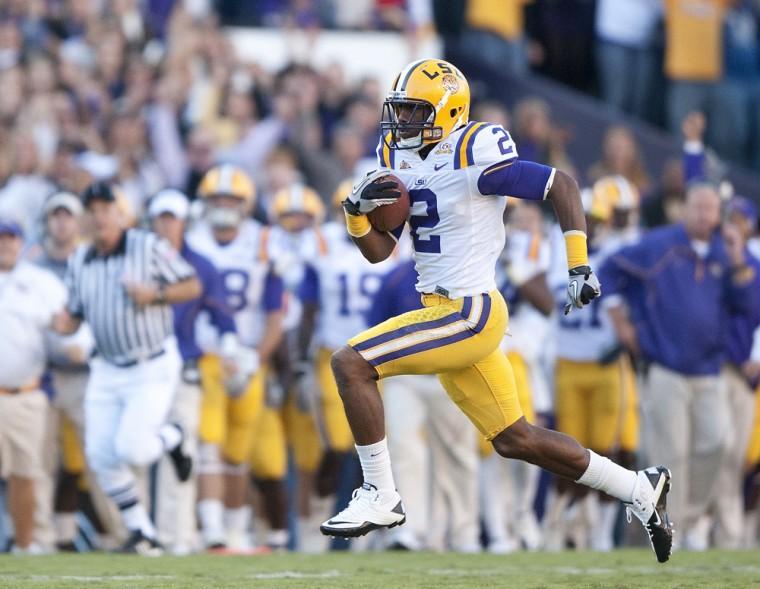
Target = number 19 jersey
(457,231)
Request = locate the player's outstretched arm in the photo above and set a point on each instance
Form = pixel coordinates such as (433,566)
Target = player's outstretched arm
(566,200)
(565,196)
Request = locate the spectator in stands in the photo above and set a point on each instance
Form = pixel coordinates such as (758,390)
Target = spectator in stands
(695,27)
(537,137)
(494,35)
(680,284)
(566,34)
(27,188)
(626,59)
(741,87)
(621,156)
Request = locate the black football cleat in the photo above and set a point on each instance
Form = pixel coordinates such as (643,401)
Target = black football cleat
(650,507)
(183,462)
(139,543)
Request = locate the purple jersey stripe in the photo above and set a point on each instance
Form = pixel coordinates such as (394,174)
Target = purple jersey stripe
(459,144)
(483,314)
(466,307)
(471,143)
(423,347)
(406,330)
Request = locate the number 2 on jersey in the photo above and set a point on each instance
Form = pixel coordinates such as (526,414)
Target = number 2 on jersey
(432,243)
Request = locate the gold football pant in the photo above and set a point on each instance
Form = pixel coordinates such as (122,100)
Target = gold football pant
(458,340)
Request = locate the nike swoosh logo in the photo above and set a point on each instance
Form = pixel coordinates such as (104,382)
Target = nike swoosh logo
(436,167)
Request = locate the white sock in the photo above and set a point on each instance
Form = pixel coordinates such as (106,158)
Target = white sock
(608,511)
(236,519)
(604,475)
(376,465)
(136,518)
(278,538)
(65,524)
(171,436)
(211,516)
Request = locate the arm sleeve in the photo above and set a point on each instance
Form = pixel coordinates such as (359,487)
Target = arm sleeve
(744,297)
(621,270)
(71,281)
(274,293)
(167,145)
(517,178)
(168,266)
(215,300)
(308,291)
(493,152)
(693,161)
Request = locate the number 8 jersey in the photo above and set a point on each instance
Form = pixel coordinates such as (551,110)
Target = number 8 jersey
(456,218)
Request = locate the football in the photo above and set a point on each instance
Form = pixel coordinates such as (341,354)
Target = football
(389,217)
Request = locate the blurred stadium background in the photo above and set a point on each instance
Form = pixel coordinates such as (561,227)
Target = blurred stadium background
(150,94)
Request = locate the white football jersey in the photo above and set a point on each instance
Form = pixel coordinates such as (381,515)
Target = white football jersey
(457,232)
(590,325)
(244,265)
(291,252)
(347,283)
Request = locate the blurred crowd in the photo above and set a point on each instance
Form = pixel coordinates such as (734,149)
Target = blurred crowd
(150,95)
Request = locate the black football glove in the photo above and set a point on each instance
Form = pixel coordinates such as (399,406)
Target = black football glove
(582,288)
(368,194)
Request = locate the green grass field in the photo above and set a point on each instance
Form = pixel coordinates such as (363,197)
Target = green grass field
(623,569)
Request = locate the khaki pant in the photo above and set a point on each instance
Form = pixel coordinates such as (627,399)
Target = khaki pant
(22,433)
(729,504)
(686,423)
(433,449)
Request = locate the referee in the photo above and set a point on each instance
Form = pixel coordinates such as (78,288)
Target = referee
(122,286)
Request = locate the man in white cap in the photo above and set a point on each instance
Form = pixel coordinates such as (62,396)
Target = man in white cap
(29,299)
(175,513)
(67,361)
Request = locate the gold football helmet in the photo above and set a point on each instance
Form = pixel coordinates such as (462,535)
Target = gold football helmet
(613,193)
(429,99)
(229,194)
(296,207)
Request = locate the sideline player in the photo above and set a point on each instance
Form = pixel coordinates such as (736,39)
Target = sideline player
(122,285)
(456,172)
(594,382)
(336,294)
(175,501)
(237,246)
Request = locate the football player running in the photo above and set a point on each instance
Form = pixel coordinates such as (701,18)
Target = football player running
(457,173)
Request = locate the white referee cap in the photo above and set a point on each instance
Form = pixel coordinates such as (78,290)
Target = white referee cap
(170,201)
(63,200)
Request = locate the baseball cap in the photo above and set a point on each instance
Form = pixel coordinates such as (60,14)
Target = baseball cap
(170,201)
(98,191)
(10,227)
(63,200)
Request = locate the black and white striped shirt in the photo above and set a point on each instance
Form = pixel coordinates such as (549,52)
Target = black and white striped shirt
(124,332)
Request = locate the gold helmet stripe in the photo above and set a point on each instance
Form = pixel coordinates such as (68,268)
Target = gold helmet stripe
(407,73)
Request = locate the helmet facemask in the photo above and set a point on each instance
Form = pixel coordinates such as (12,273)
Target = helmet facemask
(417,127)
(225,212)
